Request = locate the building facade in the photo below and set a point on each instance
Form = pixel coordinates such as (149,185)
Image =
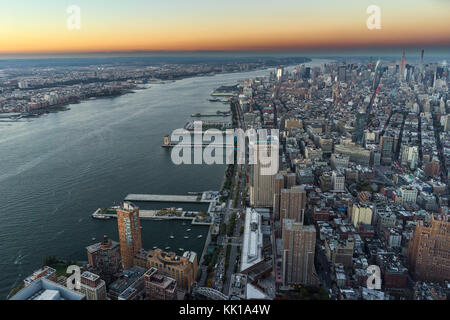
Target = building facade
(92,286)
(129,233)
(104,258)
(299,244)
(429,251)
(184,269)
(262,184)
(159,286)
(293,203)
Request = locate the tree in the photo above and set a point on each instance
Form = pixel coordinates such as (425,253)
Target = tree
(50,261)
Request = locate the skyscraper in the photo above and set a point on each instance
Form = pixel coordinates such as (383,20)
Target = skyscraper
(428,250)
(278,187)
(129,233)
(291,179)
(342,73)
(299,243)
(292,204)
(386,148)
(359,127)
(421,60)
(403,66)
(261,187)
(280,73)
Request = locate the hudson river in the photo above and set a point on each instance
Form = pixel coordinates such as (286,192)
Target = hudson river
(56,170)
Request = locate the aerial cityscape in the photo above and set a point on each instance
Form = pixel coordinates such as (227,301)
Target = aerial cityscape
(200,168)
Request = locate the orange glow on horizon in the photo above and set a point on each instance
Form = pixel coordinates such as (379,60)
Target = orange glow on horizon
(234,33)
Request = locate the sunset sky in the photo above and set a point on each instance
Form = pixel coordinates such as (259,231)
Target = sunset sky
(185,25)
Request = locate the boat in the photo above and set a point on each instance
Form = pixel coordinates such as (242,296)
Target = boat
(214,100)
(100,217)
(167,248)
(155,247)
(181,249)
(186,237)
(199,237)
(93,239)
(188,230)
(172,236)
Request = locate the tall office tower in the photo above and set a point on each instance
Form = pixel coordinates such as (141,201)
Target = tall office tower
(299,244)
(280,73)
(278,186)
(92,286)
(159,286)
(307,73)
(104,258)
(403,66)
(377,75)
(292,204)
(342,73)
(359,127)
(421,60)
(261,187)
(386,147)
(428,250)
(129,233)
(291,180)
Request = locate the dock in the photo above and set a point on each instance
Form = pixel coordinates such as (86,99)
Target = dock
(202,145)
(165,198)
(190,216)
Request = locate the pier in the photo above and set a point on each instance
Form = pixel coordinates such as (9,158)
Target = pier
(153,215)
(166,198)
(168,143)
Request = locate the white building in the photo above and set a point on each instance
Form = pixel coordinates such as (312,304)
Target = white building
(253,240)
(338,181)
(408,194)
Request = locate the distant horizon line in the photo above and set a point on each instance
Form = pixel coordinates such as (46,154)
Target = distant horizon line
(387,52)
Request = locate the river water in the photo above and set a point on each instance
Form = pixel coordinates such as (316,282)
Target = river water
(56,170)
